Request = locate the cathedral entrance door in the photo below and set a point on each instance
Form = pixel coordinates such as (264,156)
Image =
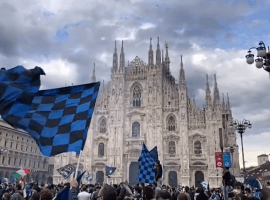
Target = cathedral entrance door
(173,179)
(133,173)
(199,176)
(100,177)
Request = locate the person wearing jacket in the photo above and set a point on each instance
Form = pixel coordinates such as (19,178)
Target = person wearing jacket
(73,192)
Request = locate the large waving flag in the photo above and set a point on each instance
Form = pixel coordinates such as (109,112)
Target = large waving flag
(154,154)
(146,167)
(58,119)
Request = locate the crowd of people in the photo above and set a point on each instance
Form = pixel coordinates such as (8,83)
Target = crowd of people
(120,191)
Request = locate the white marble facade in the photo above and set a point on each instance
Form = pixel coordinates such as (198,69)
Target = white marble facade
(142,103)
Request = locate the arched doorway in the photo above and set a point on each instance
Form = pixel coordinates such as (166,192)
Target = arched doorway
(7,175)
(50,180)
(133,173)
(199,176)
(100,177)
(173,179)
(43,179)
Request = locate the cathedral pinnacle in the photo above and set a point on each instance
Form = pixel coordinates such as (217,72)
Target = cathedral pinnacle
(182,72)
(115,60)
(150,55)
(228,102)
(216,93)
(93,78)
(223,103)
(122,58)
(208,94)
(158,54)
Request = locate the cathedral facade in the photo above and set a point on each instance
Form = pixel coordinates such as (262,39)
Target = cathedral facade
(142,103)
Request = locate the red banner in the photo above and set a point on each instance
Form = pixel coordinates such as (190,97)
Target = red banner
(219,162)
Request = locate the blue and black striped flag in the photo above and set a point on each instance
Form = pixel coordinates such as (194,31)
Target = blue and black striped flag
(58,119)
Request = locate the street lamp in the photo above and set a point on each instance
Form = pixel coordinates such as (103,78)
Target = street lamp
(240,127)
(231,149)
(263,60)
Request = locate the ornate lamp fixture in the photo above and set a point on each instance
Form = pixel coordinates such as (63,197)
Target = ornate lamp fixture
(263,60)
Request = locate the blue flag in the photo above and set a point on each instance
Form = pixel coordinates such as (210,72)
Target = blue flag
(110,171)
(58,119)
(79,178)
(146,167)
(18,87)
(154,154)
(227,159)
(63,195)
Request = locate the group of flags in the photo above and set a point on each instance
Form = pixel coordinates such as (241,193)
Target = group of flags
(147,161)
(58,119)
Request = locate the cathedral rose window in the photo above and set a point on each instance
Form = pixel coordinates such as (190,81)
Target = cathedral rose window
(136,129)
(197,148)
(136,96)
(101,149)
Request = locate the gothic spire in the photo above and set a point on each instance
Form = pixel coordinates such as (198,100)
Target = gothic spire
(115,59)
(228,102)
(150,54)
(216,93)
(93,78)
(182,72)
(167,59)
(122,58)
(208,94)
(223,103)
(158,54)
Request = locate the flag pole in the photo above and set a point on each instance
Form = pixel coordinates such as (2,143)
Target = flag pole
(78,164)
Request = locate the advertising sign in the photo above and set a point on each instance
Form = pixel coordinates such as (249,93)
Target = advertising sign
(227,159)
(219,163)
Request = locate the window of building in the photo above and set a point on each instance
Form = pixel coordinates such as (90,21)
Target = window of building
(0,133)
(22,139)
(36,150)
(102,128)
(17,137)
(9,159)
(22,148)
(3,160)
(17,146)
(171,123)
(6,134)
(137,96)
(29,163)
(38,164)
(32,141)
(12,136)
(5,143)
(25,162)
(31,149)
(10,144)
(101,149)
(26,148)
(198,148)
(15,161)
(135,129)
(34,164)
(27,140)
(20,162)
(172,148)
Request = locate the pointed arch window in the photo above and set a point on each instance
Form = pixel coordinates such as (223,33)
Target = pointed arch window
(198,148)
(102,126)
(136,129)
(101,149)
(171,123)
(137,96)
(172,148)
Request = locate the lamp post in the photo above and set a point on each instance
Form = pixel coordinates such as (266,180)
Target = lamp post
(240,127)
(231,149)
(263,60)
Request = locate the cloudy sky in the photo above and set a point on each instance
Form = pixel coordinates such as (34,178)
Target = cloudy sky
(65,38)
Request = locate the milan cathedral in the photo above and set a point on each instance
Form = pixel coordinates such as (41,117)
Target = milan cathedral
(142,103)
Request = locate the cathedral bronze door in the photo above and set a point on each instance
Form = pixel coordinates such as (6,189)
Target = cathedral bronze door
(133,173)
(199,177)
(173,179)
(100,177)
